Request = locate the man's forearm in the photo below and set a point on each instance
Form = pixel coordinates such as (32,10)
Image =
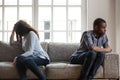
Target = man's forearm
(98,49)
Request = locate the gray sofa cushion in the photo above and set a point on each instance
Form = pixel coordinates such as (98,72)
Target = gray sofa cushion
(55,70)
(60,67)
(61,51)
(7,52)
(62,70)
(44,46)
(8,71)
(111,65)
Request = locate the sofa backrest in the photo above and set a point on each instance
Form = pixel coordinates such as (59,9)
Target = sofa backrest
(60,52)
(7,52)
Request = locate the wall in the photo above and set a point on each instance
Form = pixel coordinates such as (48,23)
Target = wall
(118,29)
(104,9)
(118,26)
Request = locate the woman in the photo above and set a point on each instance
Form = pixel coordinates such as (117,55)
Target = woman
(33,55)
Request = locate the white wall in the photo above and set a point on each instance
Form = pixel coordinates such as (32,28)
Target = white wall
(118,29)
(104,9)
(118,26)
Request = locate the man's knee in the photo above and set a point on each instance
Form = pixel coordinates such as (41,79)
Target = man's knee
(93,54)
(101,54)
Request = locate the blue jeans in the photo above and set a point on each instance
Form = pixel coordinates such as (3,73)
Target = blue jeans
(32,63)
(90,62)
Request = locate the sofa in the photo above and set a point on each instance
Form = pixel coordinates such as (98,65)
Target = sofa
(59,68)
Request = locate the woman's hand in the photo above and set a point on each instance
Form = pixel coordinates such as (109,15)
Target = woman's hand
(14,61)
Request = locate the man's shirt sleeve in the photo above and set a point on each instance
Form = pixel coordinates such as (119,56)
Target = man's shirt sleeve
(105,40)
(88,40)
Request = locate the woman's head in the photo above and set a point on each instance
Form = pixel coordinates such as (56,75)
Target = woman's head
(21,28)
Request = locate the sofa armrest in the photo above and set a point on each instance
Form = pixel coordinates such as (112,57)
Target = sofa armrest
(111,65)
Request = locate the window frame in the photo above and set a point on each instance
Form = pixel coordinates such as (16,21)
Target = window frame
(35,7)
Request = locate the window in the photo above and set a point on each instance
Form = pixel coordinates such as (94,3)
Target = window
(55,20)
(10,12)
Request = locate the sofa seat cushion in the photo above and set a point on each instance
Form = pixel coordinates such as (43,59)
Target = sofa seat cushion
(63,70)
(8,71)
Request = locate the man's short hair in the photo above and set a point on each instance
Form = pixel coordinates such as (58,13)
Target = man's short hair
(98,21)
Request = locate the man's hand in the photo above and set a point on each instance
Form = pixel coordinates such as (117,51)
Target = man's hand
(108,49)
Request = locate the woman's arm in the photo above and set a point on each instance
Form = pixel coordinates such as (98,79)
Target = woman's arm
(12,37)
(30,44)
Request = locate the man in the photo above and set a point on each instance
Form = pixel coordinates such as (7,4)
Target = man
(92,49)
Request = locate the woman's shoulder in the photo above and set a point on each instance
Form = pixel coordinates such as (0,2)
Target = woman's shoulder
(32,34)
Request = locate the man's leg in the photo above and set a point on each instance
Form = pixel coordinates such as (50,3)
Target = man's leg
(86,59)
(79,59)
(99,59)
(87,65)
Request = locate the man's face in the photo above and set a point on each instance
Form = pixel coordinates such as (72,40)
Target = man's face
(101,28)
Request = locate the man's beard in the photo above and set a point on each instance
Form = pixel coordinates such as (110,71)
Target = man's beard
(100,33)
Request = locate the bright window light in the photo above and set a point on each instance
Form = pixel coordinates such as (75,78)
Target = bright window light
(45,2)
(74,2)
(0,2)
(59,19)
(0,18)
(25,2)
(59,36)
(44,17)
(74,16)
(10,2)
(55,20)
(10,18)
(59,2)
(27,16)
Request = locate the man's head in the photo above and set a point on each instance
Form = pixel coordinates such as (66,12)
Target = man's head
(99,26)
